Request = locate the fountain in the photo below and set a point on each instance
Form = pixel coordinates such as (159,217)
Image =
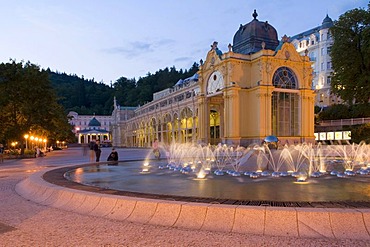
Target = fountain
(238,173)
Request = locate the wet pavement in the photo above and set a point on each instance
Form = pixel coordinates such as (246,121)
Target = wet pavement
(25,223)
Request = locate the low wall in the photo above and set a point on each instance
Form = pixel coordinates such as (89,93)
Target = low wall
(274,221)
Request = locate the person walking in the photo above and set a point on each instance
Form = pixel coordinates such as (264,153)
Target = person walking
(1,153)
(97,150)
(155,147)
(85,148)
(92,152)
(37,152)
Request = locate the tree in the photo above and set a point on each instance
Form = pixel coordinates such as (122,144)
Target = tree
(28,104)
(344,111)
(125,91)
(360,133)
(82,95)
(130,92)
(350,56)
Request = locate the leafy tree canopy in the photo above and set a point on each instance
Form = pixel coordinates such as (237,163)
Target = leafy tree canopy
(28,104)
(360,133)
(350,56)
(130,92)
(82,96)
(345,112)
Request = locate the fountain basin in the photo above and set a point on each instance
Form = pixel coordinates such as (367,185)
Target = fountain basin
(127,176)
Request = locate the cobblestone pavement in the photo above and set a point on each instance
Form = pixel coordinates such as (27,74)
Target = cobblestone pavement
(25,223)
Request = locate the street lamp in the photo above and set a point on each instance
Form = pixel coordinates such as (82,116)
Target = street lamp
(32,138)
(37,140)
(40,141)
(26,137)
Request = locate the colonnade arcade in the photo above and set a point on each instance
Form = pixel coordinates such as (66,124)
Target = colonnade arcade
(93,136)
(178,126)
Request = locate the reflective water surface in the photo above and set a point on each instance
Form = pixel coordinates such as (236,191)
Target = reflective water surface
(129,176)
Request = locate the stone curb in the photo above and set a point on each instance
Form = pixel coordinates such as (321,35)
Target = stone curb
(262,220)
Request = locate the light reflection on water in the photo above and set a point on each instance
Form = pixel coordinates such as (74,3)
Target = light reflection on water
(128,176)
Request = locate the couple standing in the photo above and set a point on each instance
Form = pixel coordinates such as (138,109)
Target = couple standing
(96,151)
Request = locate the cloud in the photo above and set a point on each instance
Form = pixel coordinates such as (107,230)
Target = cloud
(137,48)
(183,59)
(165,42)
(132,49)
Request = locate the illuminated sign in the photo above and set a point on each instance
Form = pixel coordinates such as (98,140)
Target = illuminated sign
(338,135)
(331,136)
(322,136)
(346,135)
(316,136)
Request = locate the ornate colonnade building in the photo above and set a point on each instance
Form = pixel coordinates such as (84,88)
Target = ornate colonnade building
(259,87)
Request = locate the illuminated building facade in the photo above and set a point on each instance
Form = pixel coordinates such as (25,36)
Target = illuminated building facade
(317,43)
(90,127)
(259,87)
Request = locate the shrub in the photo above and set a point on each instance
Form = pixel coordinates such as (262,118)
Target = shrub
(360,133)
(344,111)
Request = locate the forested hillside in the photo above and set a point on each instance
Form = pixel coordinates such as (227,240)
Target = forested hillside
(81,95)
(89,97)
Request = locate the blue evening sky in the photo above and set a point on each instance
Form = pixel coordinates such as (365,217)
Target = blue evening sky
(108,39)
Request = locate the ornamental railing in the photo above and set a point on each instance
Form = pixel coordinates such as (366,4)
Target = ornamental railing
(342,122)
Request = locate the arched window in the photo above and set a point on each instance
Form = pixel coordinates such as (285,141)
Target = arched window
(285,103)
(284,78)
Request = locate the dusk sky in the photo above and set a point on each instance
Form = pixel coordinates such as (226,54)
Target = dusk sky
(109,39)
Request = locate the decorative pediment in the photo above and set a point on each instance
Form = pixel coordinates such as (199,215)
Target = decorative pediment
(288,52)
(212,59)
(213,56)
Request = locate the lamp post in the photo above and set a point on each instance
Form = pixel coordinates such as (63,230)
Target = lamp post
(26,137)
(40,143)
(37,142)
(32,138)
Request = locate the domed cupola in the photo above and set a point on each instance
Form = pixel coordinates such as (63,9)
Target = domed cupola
(327,22)
(252,36)
(94,123)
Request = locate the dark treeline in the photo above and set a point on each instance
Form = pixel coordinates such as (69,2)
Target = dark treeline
(81,95)
(87,97)
(344,111)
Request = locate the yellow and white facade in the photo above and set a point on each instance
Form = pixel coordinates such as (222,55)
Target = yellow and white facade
(260,88)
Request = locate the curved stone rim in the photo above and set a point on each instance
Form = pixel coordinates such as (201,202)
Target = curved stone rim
(56,177)
(259,220)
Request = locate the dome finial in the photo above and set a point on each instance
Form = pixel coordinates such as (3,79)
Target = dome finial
(255,15)
(248,38)
(285,38)
(214,45)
